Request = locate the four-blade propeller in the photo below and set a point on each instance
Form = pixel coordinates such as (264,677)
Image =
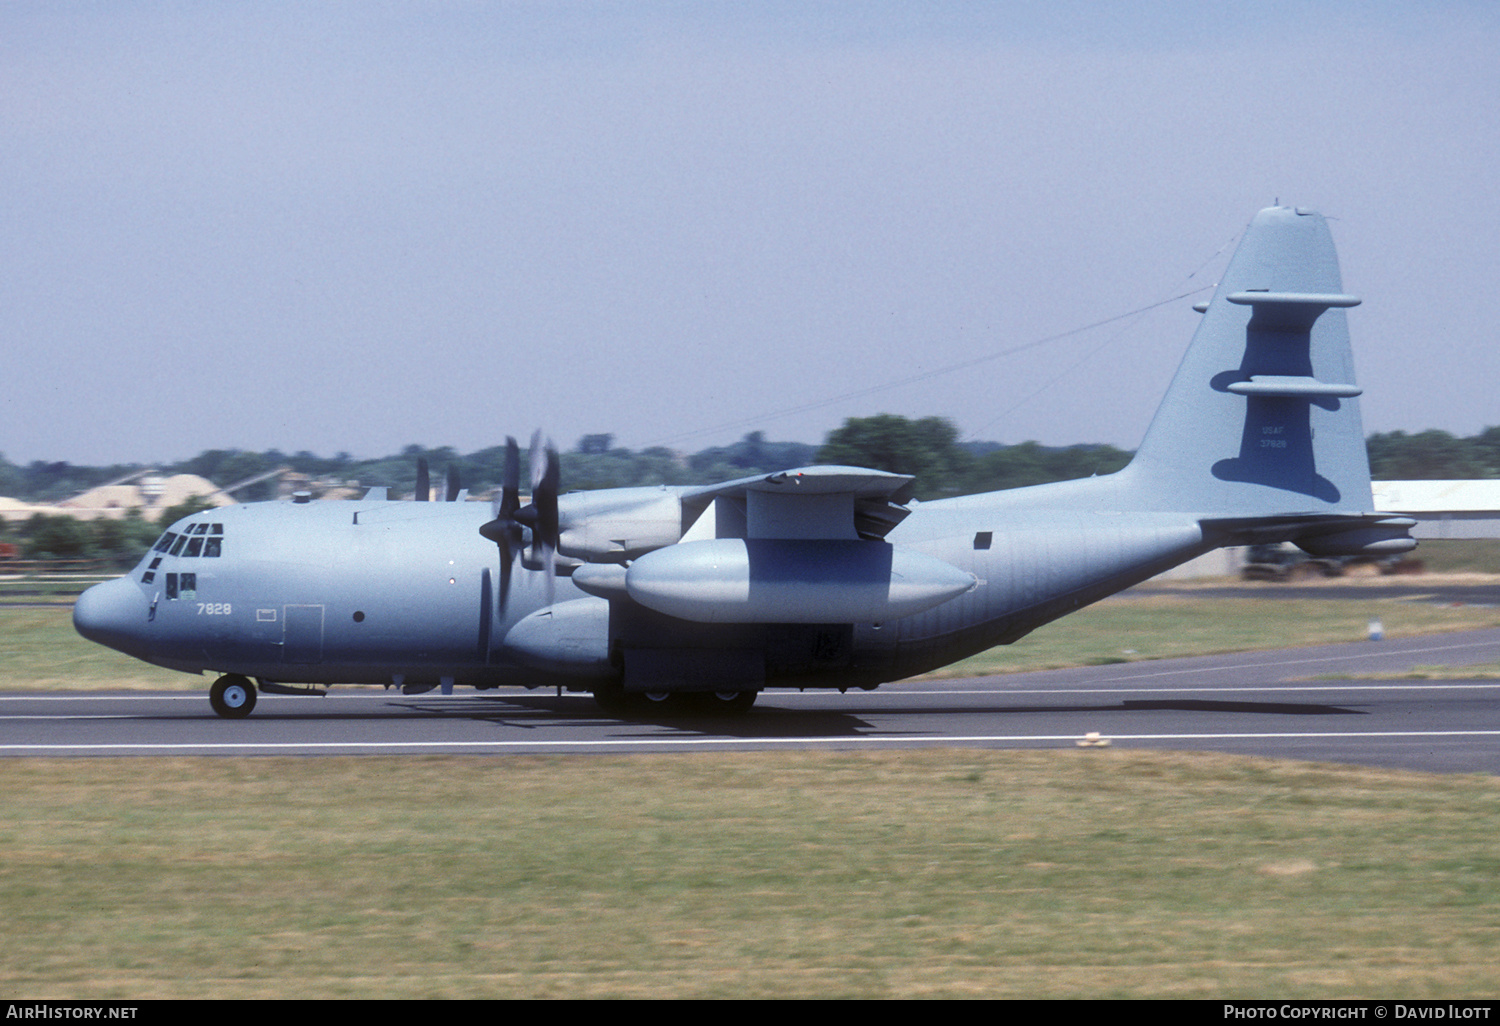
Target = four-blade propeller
(540,516)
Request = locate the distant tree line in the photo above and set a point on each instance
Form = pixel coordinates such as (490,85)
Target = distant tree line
(58,536)
(928,449)
(1434,456)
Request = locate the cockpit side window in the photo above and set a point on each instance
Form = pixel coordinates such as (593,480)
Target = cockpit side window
(165,543)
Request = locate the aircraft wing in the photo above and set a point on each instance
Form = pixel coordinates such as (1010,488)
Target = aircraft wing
(615,525)
(807,503)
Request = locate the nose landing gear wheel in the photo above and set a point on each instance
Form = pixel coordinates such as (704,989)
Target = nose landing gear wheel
(232,696)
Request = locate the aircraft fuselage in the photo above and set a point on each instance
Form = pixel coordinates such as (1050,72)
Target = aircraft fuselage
(407,593)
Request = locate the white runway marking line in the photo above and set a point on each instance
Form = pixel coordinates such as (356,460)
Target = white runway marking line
(73,716)
(1264,689)
(726,741)
(101,696)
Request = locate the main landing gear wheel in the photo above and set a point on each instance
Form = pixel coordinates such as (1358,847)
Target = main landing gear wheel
(232,696)
(616,701)
(726,703)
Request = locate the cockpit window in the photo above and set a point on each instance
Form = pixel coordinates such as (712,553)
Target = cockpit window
(195,540)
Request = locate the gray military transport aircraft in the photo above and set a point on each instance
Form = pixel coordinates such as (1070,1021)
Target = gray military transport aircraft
(821,577)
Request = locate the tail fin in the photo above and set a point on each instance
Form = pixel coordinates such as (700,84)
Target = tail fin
(1261,418)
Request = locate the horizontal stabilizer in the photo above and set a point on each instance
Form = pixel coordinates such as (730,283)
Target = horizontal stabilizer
(1288,311)
(1292,386)
(1369,534)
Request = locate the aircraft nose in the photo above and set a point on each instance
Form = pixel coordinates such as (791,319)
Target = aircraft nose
(113,613)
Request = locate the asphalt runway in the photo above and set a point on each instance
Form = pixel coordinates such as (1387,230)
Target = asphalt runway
(1439,589)
(1282,704)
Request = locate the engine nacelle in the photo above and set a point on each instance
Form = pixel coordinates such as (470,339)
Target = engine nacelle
(617,524)
(776,580)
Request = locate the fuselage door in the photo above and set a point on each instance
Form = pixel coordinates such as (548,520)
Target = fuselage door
(302,638)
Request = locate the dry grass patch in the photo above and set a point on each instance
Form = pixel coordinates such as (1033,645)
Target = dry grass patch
(780,874)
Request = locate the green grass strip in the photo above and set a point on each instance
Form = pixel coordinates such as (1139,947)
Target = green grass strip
(927,873)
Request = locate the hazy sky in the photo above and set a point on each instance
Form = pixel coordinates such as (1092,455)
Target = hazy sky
(353,226)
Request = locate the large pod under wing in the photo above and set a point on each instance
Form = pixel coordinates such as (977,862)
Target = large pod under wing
(783,580)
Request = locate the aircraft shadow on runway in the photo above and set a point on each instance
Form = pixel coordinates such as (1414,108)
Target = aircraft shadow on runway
(542,711)
(548,712)
(536,712)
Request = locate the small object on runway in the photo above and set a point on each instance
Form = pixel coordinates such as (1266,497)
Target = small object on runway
(1377,630)
(1093,740)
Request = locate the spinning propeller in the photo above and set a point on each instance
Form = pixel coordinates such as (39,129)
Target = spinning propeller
(505,530)
(424,483)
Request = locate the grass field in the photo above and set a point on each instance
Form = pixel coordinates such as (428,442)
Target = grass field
(924,873)
(930,873)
